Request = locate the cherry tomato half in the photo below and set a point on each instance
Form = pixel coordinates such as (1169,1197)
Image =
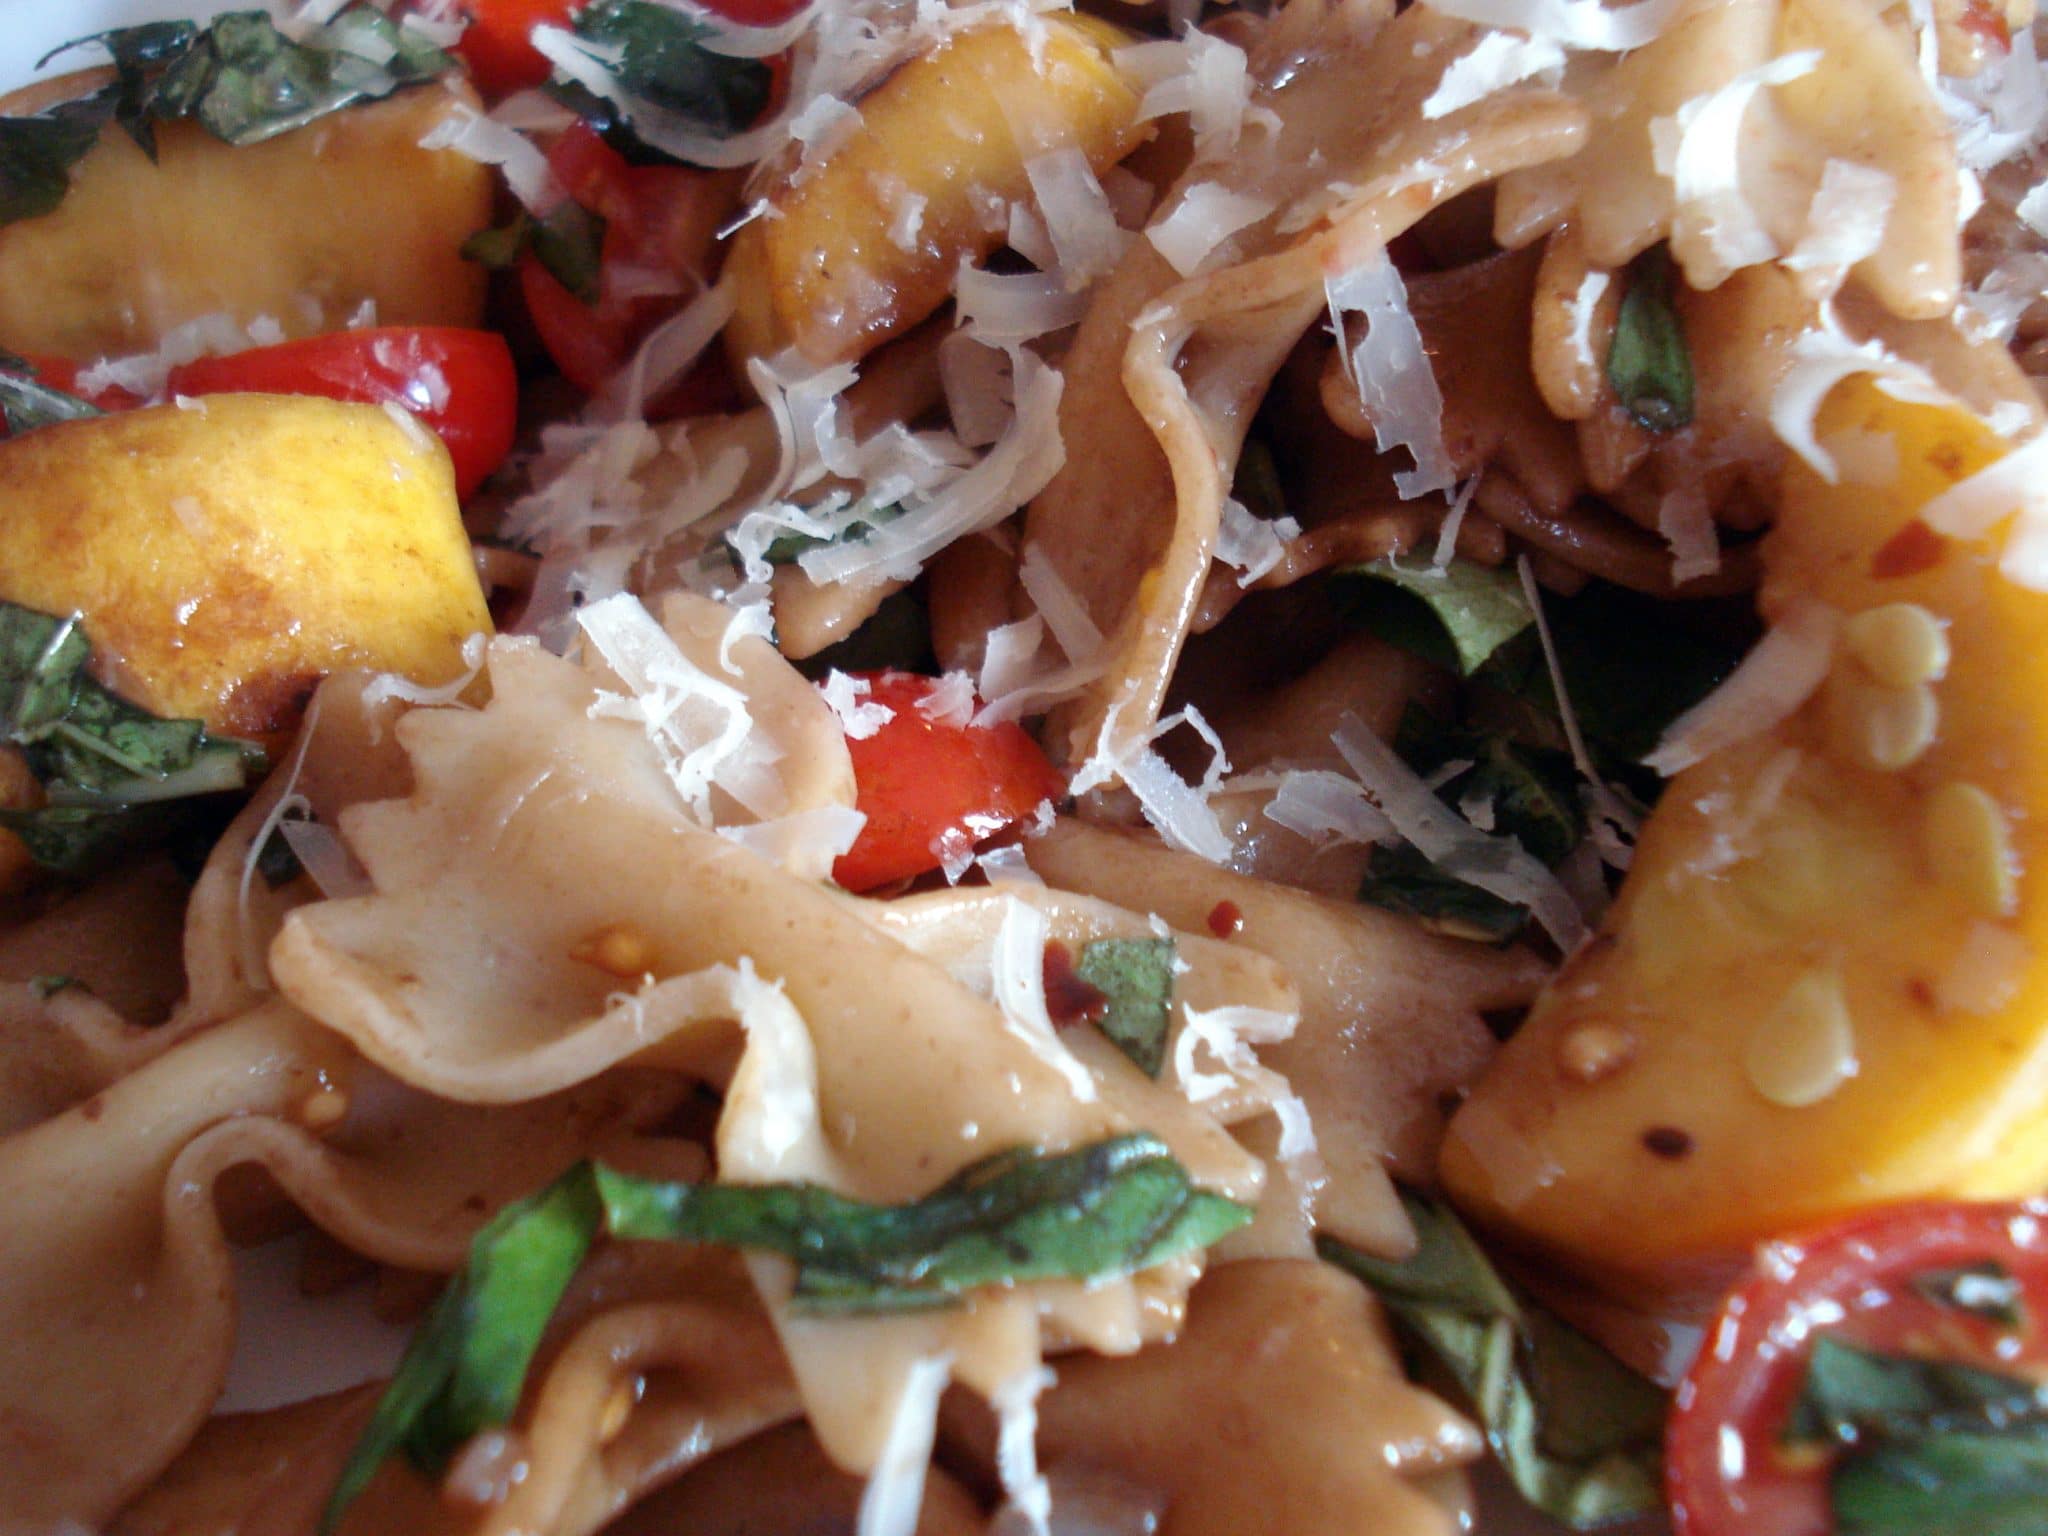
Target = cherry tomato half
(61,374)
(918,779)
(459,383)
(1727,1470)
(498,43)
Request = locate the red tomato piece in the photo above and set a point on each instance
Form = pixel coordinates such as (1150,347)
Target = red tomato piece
(1727,1472)
(918,780)
(498,43)
(61,374)
(459,383)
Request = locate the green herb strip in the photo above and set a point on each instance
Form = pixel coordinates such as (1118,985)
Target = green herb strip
(1579,1434)
(1648,363)
(1135,977)
(111,771)
(1114,1207)
(25,402)
(467,1363)
(240,78)
(1927,1447)
(1476,609)
(569,242)
(661,60)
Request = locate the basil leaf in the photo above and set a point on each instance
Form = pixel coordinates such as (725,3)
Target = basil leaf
(1947,1485)
(1110,1208)
(111,771)
(1400,878)
(1468,611)
(661,60)
(1257,481)
(37,154)
(1579,1433)
(1135,978)
(25,403)
(466,1366)
(1852,1395)
(569,242)
(1987,1290)
(1647,362)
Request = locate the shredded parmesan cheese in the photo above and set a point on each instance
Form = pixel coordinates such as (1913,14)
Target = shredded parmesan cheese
(1774,679)
(1391,371)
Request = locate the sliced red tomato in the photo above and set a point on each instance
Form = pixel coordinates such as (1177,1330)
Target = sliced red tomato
(661,224)
(459,383)
(1728,1468)
(61,374)
(498,43)
(918,780)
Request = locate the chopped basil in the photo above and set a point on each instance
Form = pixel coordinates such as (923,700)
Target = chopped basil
(1506,787)
(1257,481)
(1135,977)
(1579,1433)
(569,242)
(466,1365)
(112,773)
(1647,362)
(1461,614)
(239,77)
(1927,1447)
(1987,1290)
(1110,1208)
(26,403)
(788,548)
(657,57)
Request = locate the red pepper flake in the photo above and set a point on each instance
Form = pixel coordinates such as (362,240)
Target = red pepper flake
(1069,997)
(1226,919)
(1913,549)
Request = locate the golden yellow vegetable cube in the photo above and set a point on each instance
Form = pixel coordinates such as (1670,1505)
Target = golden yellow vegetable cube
(226,554)
(862,247)
(304,228)
(1824,984)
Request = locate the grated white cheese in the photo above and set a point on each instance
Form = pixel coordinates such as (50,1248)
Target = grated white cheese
(1207,215)
(392,685)
(2010,487)
(488,141)
(843,696)
(1227,1034)
(1001,309)
(213,335)
(321,854)
(1178,811)
(1584,305)
(976,380)
(894,1494)
(1203,75)
(1086,238)
(1064,612)
(669,351)
(949,700)
(804,842)
(1699,148)
(1822,359)
(1687,525)
(1390,368)
(1586,24)
(1324,806)
(1251,545)
(1844,222)
(1499,865)
(1454,519)
(1016,1404)
(1774,679)
(1017,980)
(1497,61)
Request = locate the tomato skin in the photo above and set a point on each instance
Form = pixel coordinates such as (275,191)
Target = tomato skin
(1723,1473)
(60,373)
(460,383)
(917,779)
(497,45)
(660,222)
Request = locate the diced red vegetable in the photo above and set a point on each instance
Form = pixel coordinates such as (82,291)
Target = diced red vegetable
(498,44)
(60,373)
(460,383)
(919,780)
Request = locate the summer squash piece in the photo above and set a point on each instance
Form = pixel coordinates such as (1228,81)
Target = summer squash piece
(1577,1431)
(1135,978)
(1109,1208)
(1827,964)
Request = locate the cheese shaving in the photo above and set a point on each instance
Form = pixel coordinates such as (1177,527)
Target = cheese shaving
(1017,980)
(1390,369)
(1002,309)
(894,1494)
(806,841)
(488,141)
(1078,219)
(1325,807)
(949,700)
(1207,215)
(843,695)
(1252,545)
(1064,612)
(976,380)
(1687,525)
(1586,24)
(1700,150)
(1775,678)
(1227,1034)
(1016,1404)
(213,335)
(1497,61)
(1821,359)
(1203,75)
(1844,222)
(2009,487)
(1498,865)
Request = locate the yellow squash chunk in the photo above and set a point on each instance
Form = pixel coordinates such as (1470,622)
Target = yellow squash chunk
(948,133)
(225,556)
(304,228)
(1825,983)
